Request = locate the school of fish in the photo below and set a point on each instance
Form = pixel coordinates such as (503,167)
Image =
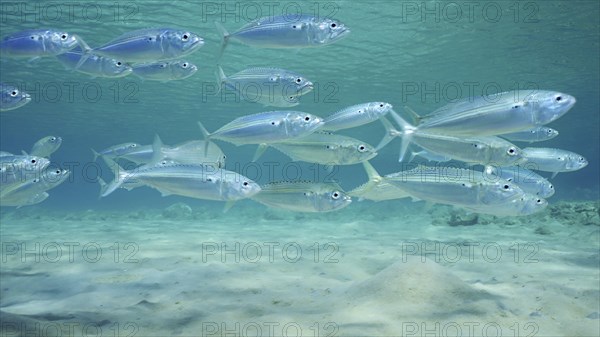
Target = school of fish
(478,131)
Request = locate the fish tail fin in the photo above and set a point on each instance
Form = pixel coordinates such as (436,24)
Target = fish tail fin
(225,34)
(220,75)
(407,132)
(206,136)
(102,186)
(96,154)
(390,133)
(119,174)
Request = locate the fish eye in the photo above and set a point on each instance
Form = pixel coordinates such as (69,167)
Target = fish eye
(307,118)
(539,201)
(208,180)
(184,65)
(64,37)
(119,63)
(558,98)
(53,139)
(551,187)
(381,105)
(133,145)
(512,151)
(362,148)
(57,171)
(36,180)
(360,111)
(515,107)
(506,187)
(333,25)
(298,80)
(185,37)
(14,93)
(272,123)
(33,161)
(245,183)
(335,195)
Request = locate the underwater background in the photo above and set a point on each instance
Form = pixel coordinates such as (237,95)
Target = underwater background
(420,54)
(422,60)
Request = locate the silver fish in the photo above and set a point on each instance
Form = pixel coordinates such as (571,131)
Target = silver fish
(38,42)
(268,86)
(12,98)
(46,146)
(190,152)
(150,45)
(553,160)
(303,196)
(504,112)
(287,32)
(165,71)
(266,127)
(26,200)
(327,148)
(49,179)
(529,181)
(25,163)
(453,186)
(429,156)
(526,204)
(94,65)
(194,181)
(356,115)
(537,134)
(481,150)
(116,150)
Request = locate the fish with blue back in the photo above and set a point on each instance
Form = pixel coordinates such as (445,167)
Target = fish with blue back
(267,86)
(286,31)
(165,71)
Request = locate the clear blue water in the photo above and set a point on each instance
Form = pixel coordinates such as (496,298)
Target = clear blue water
(406,53)
(421,54)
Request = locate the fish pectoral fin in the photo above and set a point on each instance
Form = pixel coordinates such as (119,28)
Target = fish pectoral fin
(553,175)
(413,115)
(33,59)
(259,151)
(228,205)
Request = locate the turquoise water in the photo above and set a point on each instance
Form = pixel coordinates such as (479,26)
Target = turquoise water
(420,54)
(395,53)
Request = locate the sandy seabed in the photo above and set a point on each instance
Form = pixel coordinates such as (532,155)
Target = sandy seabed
(375,269)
